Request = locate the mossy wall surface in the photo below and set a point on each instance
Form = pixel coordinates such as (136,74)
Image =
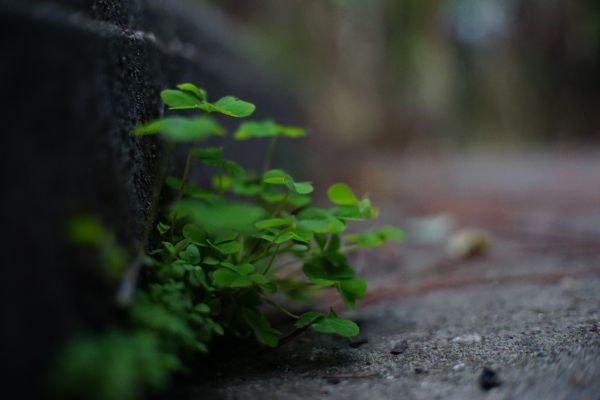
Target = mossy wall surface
(75,77)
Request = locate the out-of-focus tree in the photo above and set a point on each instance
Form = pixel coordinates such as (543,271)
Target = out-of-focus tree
(449,71)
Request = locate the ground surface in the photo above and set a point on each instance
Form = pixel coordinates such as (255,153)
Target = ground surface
(529,309)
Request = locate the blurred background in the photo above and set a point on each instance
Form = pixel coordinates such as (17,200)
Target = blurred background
(433,73)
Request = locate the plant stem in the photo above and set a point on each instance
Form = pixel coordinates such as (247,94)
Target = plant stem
(280,308)
(281,204)
(269,154)
(186,170)
(271,260)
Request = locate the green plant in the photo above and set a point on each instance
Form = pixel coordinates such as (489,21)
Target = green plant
(221,248)
(226,252)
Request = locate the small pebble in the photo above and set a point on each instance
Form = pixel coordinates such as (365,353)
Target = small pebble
(419,370)
(468,243)
(488,379)
(468,338)
(459,367)
(399,348)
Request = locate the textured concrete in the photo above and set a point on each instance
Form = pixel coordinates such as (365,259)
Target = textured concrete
(542,341)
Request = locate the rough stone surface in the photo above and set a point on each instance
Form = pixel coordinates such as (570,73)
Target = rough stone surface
(539,339)
(76,76)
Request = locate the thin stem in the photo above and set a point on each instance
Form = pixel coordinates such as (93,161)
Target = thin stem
(186,170)
(271,260)
(280,308)
(269,154)
(240,254)
(281,204)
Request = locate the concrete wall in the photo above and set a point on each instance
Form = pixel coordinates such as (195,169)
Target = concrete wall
(75,77)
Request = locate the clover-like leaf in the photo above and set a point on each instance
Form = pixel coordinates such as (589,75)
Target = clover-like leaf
(210,155)
(279,177)
(375,238)
(325,271)
(275,177)
(351,290)
(194,233)
(227,247)
(273,223)
(221,217)
(308,318)
(191,254)
(180,100)
(261,327)
(341,194)
(197,277)
(200,94)
(267,128)
(233,107)
(331,323)
(181,129)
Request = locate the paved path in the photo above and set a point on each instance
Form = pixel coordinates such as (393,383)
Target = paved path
(528,310)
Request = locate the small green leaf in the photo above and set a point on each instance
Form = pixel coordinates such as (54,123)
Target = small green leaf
(210,261)
(232,168)
(302,235)
(245,268)
(272,223)
(255,129)
(291,131)
(234,107)
(210,155)
(261,327)
(181,129)
(323,268)
(275,177)
(197,277)
(365,240)
(216,218)
(283,237)
(375,238)
(390,233)
(200,94)
(224,277)
(351,290)
(263,281)
(279,177)
(177,99)
(202,308)
(336,325)
(301,187)
(308,318)
(191,254)
(194,233)
(225,237)
(163,228)
(228,247)
(341,194)
(298,200)
(267,128)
